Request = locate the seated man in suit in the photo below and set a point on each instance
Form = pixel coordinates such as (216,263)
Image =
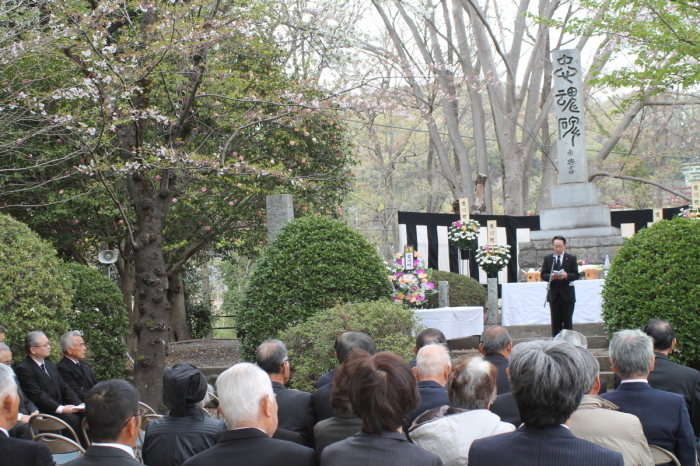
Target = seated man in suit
(546,382)
(601,422)
(113,422)
(248,404)
(432,370)
(670,376)
(186,430)
(664,415)
(26,407)
(13,451)
(344,344)
(428,336)
(43,384)
(73,368)
(496,345)
(296,408)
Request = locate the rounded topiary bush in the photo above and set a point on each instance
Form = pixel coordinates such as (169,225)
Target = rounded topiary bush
(655,275)
(314,263)
(464,291)
(35,292)
(311,343)
(99,312)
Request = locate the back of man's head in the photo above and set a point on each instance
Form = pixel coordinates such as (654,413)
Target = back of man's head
(573,337)
(662,332)
(590,369)
(270,356)
(495,339)
(472,383)
(348,341)
(241,389)
(631,354)
(546,381)
(433,363)
(430,336)
(109,406)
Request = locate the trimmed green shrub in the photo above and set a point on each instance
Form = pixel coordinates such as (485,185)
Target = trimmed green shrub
(655,275)
(98,311)
(311,344)
(314,263)
(35,291)
(464,291)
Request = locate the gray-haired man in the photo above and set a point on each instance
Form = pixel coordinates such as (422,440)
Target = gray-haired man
(73,368)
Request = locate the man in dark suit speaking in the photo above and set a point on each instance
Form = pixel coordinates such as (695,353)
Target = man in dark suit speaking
(546,382)
(560,270)
(16,452)
(73,368)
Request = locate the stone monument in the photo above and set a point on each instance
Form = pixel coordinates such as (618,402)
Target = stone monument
(280,210)
(576,213)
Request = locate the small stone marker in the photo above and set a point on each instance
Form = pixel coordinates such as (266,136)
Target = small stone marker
(695,194)
(658,215)
(280,209)
(443,294)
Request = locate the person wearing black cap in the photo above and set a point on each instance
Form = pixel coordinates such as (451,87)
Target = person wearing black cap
(186,430)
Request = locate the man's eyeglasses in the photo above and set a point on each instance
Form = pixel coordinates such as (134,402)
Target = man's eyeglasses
(47,345)
(9,363)
(142,412)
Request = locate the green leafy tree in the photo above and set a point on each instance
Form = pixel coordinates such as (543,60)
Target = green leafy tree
(181,115)
(314,263)
(464,291)
(97,310)
(655,276)
(311,343)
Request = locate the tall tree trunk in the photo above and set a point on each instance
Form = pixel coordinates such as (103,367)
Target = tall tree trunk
(179,323)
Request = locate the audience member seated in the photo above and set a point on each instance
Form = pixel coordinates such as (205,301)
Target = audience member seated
(428,336)
(670,376)
(296,408)
(504,407)
(186,430)
(43,384)
(432,370)
(449,432)
(546,382)
(72,367)
(664,415)
(383,392)
(13,451)
(346,342)
(248,404)
(599,420)
(344,423)
(113,421)
(327,378)
(580,340)
(26,407)
(496,345)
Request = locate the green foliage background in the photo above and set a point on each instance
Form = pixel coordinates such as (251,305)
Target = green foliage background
(35,291)
(311,343)
(464,291)
(98,311)
(655,275)
(314,263)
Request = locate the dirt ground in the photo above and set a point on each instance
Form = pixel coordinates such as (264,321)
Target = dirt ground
(204,353)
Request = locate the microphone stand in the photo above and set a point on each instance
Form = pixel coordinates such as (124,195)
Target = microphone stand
(549,282)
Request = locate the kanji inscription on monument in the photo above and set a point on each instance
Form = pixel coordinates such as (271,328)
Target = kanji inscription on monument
(568,105)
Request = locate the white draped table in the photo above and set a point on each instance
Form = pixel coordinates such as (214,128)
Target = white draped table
(454,322)
(523,303)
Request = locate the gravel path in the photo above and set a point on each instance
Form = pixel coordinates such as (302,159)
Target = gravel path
(205,353)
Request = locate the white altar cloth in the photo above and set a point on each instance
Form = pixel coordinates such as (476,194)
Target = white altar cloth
(523,303)
(454,322)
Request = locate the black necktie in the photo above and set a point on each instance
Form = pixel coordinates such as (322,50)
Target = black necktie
(43,368)
(558,262)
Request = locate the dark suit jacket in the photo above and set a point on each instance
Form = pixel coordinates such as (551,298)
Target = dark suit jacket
(17,452)
(560,289)
(385,449)
(47,393)
(322,402)
(672,377)
(506,409)
(104,456)
(325,379)
(341,426)
(78,376)
(251,447)
(295,412)
(501,363)
(432,395)
(533,446)
(663,415)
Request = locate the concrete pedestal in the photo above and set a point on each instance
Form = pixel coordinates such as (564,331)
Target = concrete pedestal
(492,301)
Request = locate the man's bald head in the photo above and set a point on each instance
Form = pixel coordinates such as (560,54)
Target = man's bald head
(433,363)
(496,339)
